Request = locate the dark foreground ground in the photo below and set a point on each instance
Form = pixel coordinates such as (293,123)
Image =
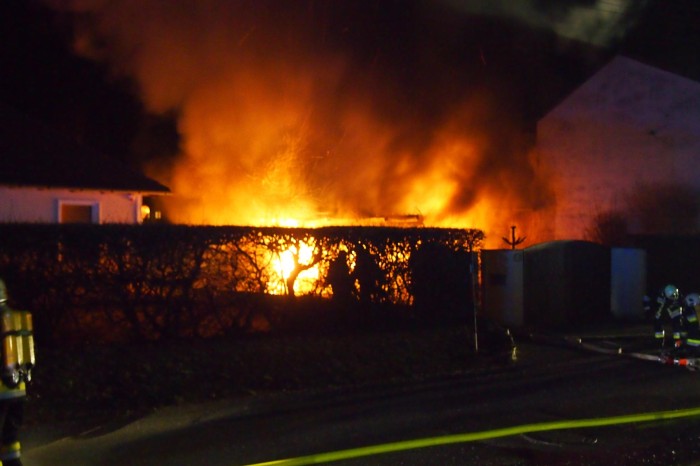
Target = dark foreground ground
(107,387)
(70,383)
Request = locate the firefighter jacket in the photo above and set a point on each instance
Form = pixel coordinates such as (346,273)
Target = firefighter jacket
(669,310)
(690,314)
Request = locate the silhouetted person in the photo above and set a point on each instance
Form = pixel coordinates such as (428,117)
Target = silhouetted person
(340,279)
(369,276)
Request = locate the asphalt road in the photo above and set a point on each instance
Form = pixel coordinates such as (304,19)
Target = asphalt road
(542,398)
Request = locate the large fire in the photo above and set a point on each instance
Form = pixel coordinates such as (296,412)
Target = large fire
(291,116)
(278,166)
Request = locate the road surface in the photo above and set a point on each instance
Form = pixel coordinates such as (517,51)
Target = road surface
(528,413)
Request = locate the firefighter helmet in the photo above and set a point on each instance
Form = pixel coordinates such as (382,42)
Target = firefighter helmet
(671,292)
(692,299)
(3,292)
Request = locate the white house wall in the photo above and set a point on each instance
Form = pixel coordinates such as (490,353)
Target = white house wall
(629,127)
(35,205)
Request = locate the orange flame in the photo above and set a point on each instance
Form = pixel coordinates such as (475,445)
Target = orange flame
(284,120)
(259,170)
(283,265)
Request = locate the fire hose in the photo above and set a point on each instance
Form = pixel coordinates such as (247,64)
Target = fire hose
(327,457)
(606,348)
(692,364)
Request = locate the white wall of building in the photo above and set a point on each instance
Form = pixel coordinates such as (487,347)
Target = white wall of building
(631,126)
(21,204)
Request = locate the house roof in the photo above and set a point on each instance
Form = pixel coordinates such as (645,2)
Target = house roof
(33,154)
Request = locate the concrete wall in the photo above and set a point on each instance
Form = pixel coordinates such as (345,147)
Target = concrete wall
(43,205)
(563,283)
(566,283)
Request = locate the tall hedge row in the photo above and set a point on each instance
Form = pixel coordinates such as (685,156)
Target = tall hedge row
(88,283)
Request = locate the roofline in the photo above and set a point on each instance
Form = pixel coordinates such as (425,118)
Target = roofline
(165,191)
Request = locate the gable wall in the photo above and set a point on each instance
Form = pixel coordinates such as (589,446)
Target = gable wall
(628,129)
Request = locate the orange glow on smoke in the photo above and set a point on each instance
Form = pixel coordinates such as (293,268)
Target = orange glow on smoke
(260,171)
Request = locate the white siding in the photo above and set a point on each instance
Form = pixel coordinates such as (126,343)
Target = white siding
(36,205)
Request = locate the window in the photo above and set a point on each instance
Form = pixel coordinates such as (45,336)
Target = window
(78,212)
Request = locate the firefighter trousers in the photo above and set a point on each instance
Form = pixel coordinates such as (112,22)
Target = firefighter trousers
(11,419)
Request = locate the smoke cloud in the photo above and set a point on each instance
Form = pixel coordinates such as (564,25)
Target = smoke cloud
(598,22)
(292,112)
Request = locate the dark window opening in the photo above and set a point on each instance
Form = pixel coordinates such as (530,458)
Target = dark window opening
(76,213)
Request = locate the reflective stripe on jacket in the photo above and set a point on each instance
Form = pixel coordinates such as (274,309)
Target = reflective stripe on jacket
(10,452)
(7,393)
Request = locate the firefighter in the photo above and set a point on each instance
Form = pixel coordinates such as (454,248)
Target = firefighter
(669,311)
(341,280)
(17,363)
(691,307)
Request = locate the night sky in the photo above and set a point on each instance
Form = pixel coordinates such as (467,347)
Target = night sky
(84,67)
(44,79)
